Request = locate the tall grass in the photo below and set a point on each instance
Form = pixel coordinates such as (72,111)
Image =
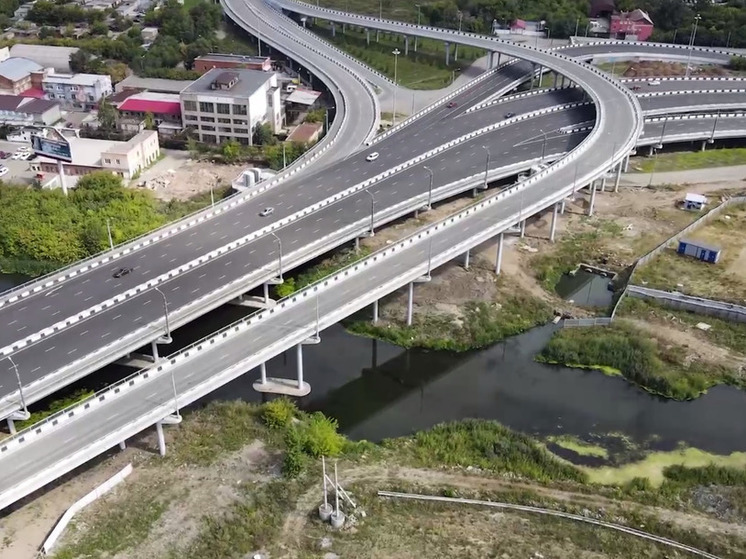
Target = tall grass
(481,324)
(647,362)
(486,445)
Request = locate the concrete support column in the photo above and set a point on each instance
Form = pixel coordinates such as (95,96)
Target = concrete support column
(651,151)
(626,163)
(618,177)
(378,35)
(410,304)
(367,36)
(406,45)
(375,311)
(553,228)
(704,145)
(523,228)
(592,186)
(491,60)
(344,28)
(562,207)
(263,373)
(11,426)
(299,356)
(448,53)
(499,57)
(603,184)
(541,75)
(266,293)
(499,258)
(415,43)
(122,445)
(161,439)
(467,254)
(334,29)
(533,75)
(154,348)
(357,244)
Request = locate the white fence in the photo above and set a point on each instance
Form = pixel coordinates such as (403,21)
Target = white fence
(697,305)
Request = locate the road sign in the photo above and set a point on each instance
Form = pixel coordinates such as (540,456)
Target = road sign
(54,148)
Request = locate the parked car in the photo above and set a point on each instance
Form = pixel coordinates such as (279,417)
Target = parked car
(25,156)
(3,171)
(267,211)
(6,155)
(32,156)
(373,156)
(16,155)
(24,149)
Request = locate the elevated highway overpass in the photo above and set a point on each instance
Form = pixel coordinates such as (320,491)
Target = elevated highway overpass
(47,450)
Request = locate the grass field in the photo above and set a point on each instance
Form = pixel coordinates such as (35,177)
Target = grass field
(725,280)
(684,160)
(425,69)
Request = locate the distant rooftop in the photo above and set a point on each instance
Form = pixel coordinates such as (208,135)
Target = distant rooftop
(15,69)
(303,96)
(246,82)
(153,84)
(21,104)
(235,58)
(76,79)
(156,103)
(46,55)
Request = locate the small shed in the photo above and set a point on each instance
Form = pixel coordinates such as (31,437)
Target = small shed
(694,202)
(699,250)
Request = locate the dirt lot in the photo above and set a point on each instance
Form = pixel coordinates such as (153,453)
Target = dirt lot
(645,68)
(179,177)
(725,280)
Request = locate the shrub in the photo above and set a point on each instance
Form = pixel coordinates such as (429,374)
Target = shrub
(320,436)
(279,413)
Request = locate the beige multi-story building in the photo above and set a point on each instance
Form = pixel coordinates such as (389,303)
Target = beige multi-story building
(230,104)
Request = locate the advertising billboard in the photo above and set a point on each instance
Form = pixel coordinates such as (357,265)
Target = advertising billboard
(54,148)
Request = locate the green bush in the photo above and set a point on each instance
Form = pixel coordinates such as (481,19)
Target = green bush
(279,413)
(320,436)
(295,461)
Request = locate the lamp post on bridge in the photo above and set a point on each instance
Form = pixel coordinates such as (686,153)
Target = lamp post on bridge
(165,312)
(20,386)
(108,230)
(396,53)
(460,16)
(543,145)
(279,245)
(372,210)
(486,166)
(430,189)
(691,44)
(419,19)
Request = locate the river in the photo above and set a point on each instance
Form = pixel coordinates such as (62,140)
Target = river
(376,390)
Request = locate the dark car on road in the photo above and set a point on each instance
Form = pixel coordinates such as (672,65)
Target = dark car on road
(509,115)
(122,272)
(452,105)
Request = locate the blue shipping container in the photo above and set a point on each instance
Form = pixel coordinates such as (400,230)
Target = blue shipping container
(700,251)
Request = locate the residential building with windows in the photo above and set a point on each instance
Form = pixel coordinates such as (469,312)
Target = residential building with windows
(207,62)
(77,91)
(15,74)
(229,104)
(15,109)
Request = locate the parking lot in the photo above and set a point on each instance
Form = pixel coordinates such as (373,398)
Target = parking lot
(20,171)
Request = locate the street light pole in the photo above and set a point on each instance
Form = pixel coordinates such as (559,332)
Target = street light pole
(460,19)
(543,145)
(20,386)
(284,157)
(486,166)
(108,230)
(165,311)
(691,44)
(372,210)
(419,19)
(396,54)
(714,127)
(279,245)
(430,189)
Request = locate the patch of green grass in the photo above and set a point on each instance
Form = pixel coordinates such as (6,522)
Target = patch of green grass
(215,430)
(483,444)
(425,69)
(54,407)
(684,160)
(579,446)
(115,528)
(649,363)
(481,324)
(731,335)
(325,268)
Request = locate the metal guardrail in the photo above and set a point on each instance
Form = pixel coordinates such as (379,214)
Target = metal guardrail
(697,305)
(585,322)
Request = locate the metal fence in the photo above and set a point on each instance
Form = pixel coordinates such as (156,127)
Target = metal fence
(581,322)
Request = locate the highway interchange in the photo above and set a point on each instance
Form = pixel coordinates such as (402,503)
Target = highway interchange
(524,142)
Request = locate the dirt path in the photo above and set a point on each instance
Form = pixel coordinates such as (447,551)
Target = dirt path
(294,523)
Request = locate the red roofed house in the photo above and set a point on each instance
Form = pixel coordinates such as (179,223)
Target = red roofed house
(165,108)
(637,23)
(518,26)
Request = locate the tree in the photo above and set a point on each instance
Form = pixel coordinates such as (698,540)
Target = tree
(149,121)
(117,71)
(79,61)
(99,28)
(231,151)
(100,181)
(107,115)
(263,135)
